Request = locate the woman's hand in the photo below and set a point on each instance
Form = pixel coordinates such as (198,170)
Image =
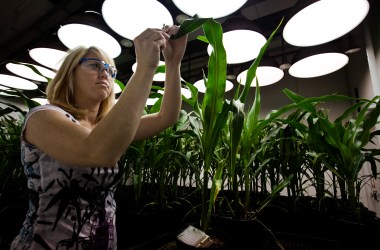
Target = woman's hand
(148,46)
(175,49)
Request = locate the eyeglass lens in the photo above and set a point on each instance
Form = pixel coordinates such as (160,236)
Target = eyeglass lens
(98,66)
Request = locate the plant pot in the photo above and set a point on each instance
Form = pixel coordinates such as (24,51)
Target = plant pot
(304,241)
(358,235)
(244,232)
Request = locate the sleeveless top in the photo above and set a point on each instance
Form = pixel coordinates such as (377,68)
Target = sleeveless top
(69,207)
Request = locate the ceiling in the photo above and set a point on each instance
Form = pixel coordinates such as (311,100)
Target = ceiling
(25,24)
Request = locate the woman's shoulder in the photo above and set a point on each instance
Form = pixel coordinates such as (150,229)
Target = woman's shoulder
(49,107)
(45,107)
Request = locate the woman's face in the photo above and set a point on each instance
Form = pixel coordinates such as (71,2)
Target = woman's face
(92,80)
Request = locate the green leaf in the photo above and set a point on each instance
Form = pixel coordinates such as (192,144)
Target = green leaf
(236,128)
(160,69)
(216,79)
(190,25)
(121,85)
(35,70)
(251,73)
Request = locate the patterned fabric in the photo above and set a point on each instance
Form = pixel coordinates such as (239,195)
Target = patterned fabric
(69,207)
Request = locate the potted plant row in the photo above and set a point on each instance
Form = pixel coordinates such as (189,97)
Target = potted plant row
(242,162)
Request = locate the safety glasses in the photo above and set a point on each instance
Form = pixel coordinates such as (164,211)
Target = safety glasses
(96,65)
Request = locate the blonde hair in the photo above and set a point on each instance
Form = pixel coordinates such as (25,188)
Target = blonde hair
(60,90)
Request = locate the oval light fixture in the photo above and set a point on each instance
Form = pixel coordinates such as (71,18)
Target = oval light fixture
(48,57)
(267,73)
(27,72)
(130,18)
(6,94)
(117,88)
(314,22)
(158,77)
(40,100)
(209,8)
(242,40)
(17,82)
(185,92)
(200,85)
(75,34)
(351,47)
(89,29)
(151,101)
(317,61)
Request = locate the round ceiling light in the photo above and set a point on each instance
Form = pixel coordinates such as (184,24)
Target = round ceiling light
(130,18)
(76,34)
(200,85)
(151,101)
(266,75)
(51,58)
(27,72)
(209,8)
(185,92)
(7,89)
(316,65)
(116,88)
(323,21)
(241,45)
(242,40)
(158,77)
(40,100)
(17,82)
(318,60)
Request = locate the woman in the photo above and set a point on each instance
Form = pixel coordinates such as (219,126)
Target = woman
(70,147)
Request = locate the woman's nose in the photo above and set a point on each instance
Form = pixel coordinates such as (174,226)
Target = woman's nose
(103,72)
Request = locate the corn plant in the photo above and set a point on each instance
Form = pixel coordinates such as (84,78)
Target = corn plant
(344,141)
(215,114)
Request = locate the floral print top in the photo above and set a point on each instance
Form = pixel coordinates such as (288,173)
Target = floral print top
(69,207)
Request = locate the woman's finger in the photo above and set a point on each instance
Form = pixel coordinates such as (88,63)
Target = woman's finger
(161,43)
(154,34)
(171,30)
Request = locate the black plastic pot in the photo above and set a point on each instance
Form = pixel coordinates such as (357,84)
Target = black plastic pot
(245,233)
